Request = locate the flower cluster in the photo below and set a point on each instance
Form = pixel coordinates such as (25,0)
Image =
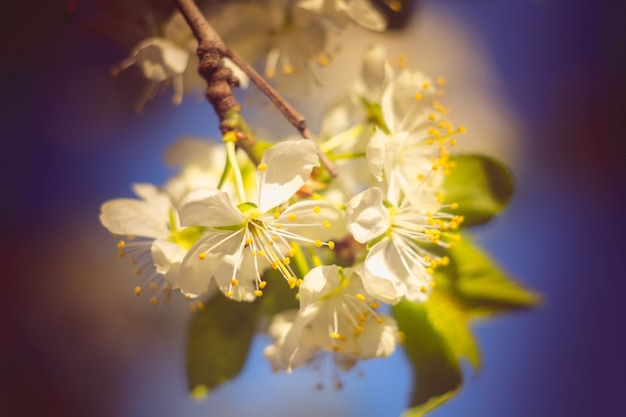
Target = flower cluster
(347,245)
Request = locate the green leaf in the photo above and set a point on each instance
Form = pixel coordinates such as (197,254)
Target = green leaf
(481,186)
(277,296)
(436,338)
(219,340)
(482,286)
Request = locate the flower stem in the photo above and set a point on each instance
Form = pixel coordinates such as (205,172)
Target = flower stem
(232,161)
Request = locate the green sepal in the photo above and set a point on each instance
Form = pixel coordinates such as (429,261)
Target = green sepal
(218,343)
(480,185)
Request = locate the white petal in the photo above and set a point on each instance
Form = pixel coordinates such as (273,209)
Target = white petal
(160,59)
(195,274)
(209,207)
(384,272)
(314,283)
(378,340)
(133,217)
(375,153)
(167,257)
(289,165)
(366,216)
(366,15)
(244,81)
(294,340)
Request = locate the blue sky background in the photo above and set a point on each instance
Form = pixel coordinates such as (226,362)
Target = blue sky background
(76,341)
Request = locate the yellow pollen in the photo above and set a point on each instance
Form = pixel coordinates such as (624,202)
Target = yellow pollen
(298,282)
(462,129)
(262,166)
(395,5)
(360,296)
(154,300)
(335,335)
(418,96)
(454,206)
(262,253)
(154,287)
(278,225)
(374,305)
(318,243)
(379,320)
(432,117)
(331,245)
(292,217)
(452,142)
(432,284)
(288,69)
(423,289)
(425,86)
(234,282)
(323,60)
(202,255)
(276,215)
(137,290)
(336,348)
(292,282)
(122,254)
(229,294)
(401,60)
(274,265)
(441,81)
(317,209)
(286,261)
(248,241)
(262,284)
(200,305)
(326,224)
(274,238)
(258,293)
(121,244)
(137,272)
(270,73)
(292,252)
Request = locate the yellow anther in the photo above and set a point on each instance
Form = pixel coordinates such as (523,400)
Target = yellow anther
(262,166)
(234,282)
(262,253)
(462,129)
(317,209)
(274,238)
(423,289)
(274,265)
(445,261)
(418,96)
(326,224)
(430,141)
(262,284)
(430,270)
(334,335)
(440,198)
(122,254)
(292,252)
(379,320)
(395,5)
(200,305)
(454,206)
(202,255)
(292,217)
(291,281)
(137,290)
(441,81)
(331,245)
(358,330)
(248,241)
(288,69)
(432,117)
(137,272)
(121,244)
(270,73)
(374,305)
(276,215)
(323,60)
(154,287)
(432,284)
(286,261)
(253,253)
(230,136)
(435,166)
(278,225)
(452,142)
(425,86)
(336,348)
(318,243)
(298,282)
(154,300)
(258,293)
(229,294)
(360,296)
(454,225)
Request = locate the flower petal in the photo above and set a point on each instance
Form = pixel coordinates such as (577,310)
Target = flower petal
(167,257)
(210,208)
(287,165)
(383,273)
(366,216)
(375,153)
(133,217)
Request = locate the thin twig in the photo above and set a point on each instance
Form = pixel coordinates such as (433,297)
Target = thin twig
(220,80)
(295,118)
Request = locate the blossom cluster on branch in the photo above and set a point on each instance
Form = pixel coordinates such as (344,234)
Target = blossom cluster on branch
(344,259)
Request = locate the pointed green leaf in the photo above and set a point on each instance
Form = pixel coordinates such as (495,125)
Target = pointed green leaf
(480,185)
(436,337)
(483,287)
(218,342)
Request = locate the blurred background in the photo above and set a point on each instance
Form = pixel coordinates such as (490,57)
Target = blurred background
(538,83)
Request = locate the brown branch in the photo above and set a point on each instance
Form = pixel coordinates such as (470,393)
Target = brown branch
(220,80)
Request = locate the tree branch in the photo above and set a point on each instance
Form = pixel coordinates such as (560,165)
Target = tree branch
(220,80)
